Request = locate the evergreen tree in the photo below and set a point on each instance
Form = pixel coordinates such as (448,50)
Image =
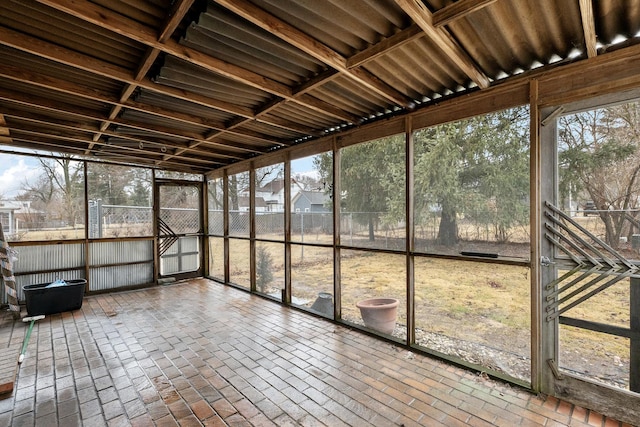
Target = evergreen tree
(477,168)
(373,181)
(264,268)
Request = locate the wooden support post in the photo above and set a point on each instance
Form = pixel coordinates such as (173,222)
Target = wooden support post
(634,356)
(410,230)
(286,292)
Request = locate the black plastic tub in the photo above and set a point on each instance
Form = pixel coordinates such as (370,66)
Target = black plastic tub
(44,299)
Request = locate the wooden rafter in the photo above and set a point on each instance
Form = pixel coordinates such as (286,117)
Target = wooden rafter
(73,59)
(407,35)
(4,131)
(589,27)
(83,114)
(179,9)
(312,47)
(424,18)
(80,142)
(457,10)
(77,144)
(63,86)
(126,157)
(133,30)
(134,142)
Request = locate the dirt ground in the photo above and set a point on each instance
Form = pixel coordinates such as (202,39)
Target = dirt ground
(478,311)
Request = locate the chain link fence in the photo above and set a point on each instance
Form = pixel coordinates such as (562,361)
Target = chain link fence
(130,221)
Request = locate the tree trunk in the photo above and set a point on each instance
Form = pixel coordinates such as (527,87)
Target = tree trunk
(234,220)
(448,231)
(372,235)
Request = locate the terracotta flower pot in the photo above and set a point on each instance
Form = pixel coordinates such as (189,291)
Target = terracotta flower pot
(379,313)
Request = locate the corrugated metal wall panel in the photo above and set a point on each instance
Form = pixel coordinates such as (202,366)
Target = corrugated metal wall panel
(183,256)
(169,266)
(71,255)
(181,264)
(190,263)
(49,257)
(107,278)
(113,252)
(189,244)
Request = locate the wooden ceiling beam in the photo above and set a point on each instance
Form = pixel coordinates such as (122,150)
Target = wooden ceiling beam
(86,128)
(4,130)
(133,30)
(312,47)
(63,86)
(457,10)
(61,55)
(81,143)
(43,104)
(424,19)
(589,27)
(73,59)
(34,78)
(39,144)
(128,159)
(81,113)
(178,10)
(316,81)
(405,36)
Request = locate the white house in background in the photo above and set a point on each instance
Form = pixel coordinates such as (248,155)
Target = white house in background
(244,203)
(11,211)
(270,198)
(273,193)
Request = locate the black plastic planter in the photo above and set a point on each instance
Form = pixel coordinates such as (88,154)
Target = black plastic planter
(44,299)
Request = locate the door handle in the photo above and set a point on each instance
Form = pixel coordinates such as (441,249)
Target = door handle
(545,261)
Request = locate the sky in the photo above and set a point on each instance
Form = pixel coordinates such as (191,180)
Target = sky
(304,166)
(14,172)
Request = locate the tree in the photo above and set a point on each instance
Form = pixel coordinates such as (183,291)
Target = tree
(373,181)
(591,145)
(323,164)
(41,192)
(215,194)
(59,188)
(119,185)
(264,268)
(238,185)
(477,167)
(139,191)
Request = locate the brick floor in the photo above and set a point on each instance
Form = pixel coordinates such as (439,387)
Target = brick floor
(199,353)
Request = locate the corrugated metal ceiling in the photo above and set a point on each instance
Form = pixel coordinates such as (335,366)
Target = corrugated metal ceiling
(194,85)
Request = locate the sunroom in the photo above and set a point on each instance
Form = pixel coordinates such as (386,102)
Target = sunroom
(467,168)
